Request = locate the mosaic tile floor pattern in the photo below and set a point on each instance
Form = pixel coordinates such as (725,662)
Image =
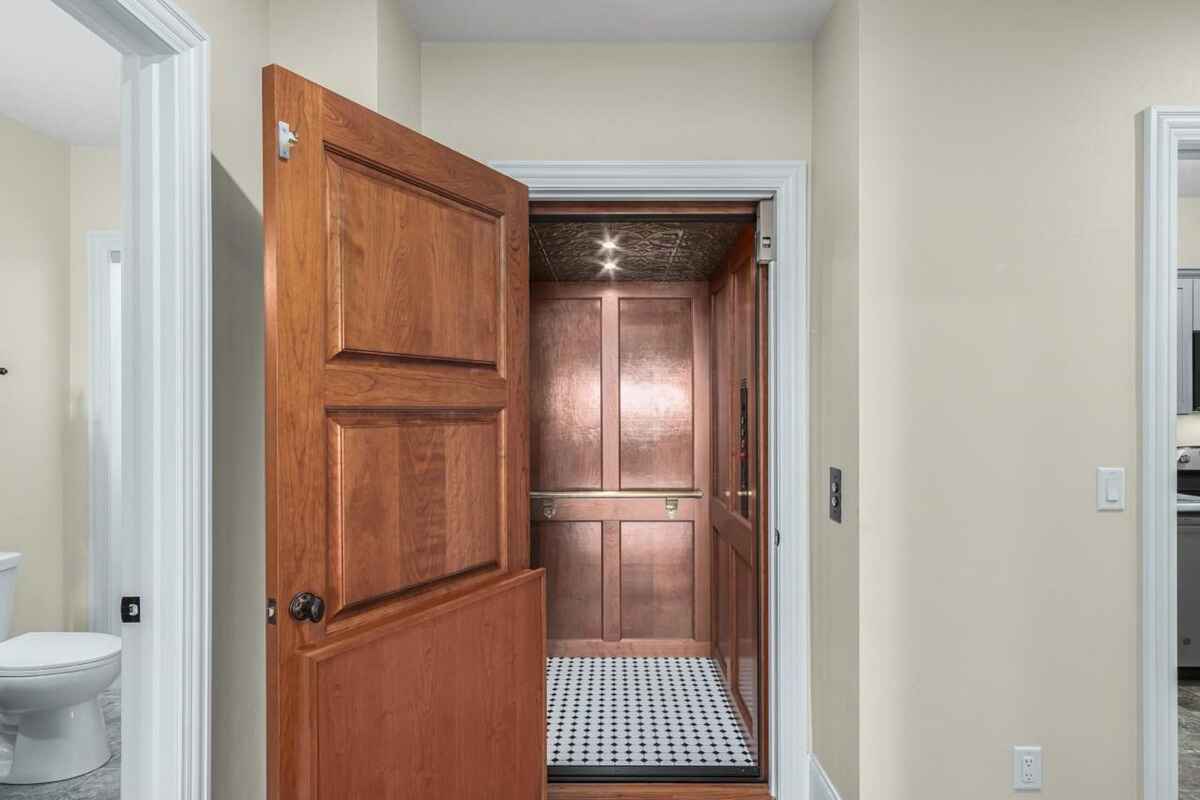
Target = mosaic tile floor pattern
(641,712)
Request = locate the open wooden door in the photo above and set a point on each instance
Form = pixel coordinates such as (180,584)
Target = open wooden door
(738,505)
(406,658)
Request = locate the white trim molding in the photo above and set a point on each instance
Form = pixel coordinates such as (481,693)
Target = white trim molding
(104,428)
(786,182)
(166,392)
(821,787)
(1163,131)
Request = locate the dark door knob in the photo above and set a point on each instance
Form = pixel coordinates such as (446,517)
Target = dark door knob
(307,606)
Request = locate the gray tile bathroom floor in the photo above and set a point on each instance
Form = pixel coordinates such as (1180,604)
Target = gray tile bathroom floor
(1189,740)
(103,784)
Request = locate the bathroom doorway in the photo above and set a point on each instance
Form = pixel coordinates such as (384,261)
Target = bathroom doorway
(104,630)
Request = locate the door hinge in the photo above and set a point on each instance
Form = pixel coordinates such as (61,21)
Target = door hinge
(777,537)
(272,611)
(766,231)
(287,138)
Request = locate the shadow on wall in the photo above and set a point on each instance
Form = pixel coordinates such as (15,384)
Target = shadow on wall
(239,494)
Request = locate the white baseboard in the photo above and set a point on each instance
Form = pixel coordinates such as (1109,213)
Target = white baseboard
(819,785)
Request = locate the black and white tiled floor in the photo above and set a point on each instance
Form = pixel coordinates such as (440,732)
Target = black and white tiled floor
(639,713)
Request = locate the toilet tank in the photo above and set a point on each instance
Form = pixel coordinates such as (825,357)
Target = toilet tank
(8,585)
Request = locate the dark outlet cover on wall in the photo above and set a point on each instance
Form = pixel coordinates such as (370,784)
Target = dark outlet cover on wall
(835,494)
(131,609)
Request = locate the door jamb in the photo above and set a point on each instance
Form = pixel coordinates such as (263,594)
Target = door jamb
(104,431)
(166,212)
(1162,131)
(788,288)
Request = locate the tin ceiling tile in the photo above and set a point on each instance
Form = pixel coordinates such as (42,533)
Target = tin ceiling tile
(645,250)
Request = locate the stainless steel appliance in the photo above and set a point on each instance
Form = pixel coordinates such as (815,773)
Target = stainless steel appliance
(1188,500)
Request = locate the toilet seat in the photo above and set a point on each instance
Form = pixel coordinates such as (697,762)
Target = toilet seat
(38,654)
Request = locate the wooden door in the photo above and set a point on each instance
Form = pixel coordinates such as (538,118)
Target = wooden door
(620,443)
(397,465)
(739,577)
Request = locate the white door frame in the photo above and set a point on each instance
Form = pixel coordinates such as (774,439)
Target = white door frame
(166,392)
(788,290)
(104,429)
(1163,130)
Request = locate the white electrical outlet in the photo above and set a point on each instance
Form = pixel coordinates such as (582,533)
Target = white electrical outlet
(1027,768)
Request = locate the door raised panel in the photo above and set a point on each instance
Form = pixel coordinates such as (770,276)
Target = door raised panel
(656,388)
(571,554)
(448,704)
(745,677)
(656,580)
(565,410)
(415,499)
(411,273)
(723,603)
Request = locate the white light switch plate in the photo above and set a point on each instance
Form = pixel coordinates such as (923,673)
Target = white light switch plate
(1110,488)
(1027,768)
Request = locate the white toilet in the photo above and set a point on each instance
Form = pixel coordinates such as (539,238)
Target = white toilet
(51,726)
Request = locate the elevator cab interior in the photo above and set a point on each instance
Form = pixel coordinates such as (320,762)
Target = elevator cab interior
(648,375)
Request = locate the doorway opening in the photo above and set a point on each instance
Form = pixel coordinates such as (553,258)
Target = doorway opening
(1188,468)
(1169,498)
(648,462)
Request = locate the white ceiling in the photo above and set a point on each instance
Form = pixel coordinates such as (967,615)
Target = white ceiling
(58,77)
(615,20)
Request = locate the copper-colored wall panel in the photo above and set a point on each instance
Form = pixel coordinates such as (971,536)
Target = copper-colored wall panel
(656,580)
(564,404)
(745,673)
(435,518)
(656,393)
(660,608)
(410,273)
(571,554)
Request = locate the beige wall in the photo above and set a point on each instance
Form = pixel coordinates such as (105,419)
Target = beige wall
(34,314)
(619,101)
(399,67)
(239,36)
(337,41)
(998,369)
(834,424)
(362,49)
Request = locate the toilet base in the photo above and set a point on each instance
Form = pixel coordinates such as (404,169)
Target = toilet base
(57,744)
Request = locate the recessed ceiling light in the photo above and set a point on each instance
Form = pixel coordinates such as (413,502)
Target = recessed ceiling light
(608,244)
(610,264)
